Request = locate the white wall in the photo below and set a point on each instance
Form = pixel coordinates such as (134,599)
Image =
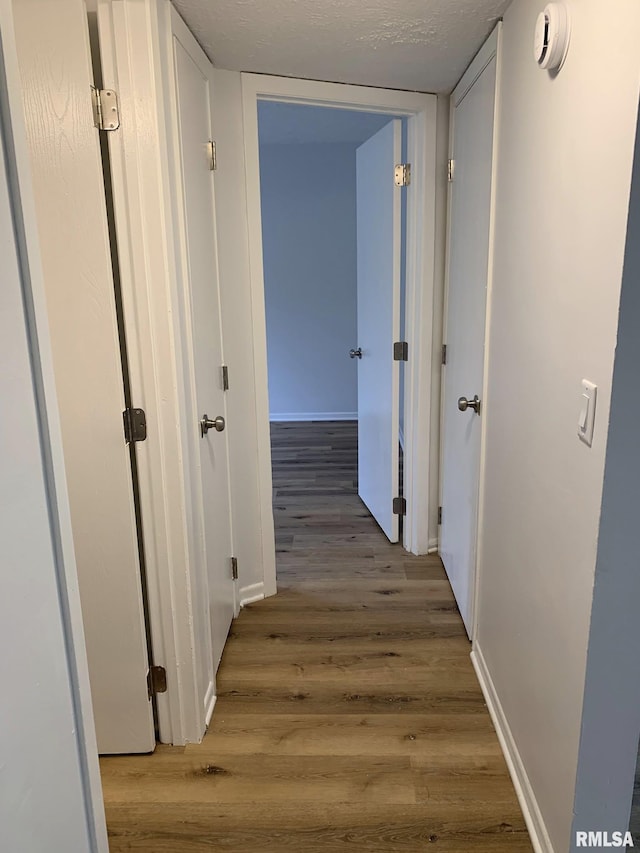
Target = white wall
(564,169)
(310,277)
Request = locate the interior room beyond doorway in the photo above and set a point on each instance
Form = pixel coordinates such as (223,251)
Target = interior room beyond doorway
(311,179)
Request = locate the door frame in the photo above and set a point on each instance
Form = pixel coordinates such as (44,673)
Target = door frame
(490,49)
(420,111)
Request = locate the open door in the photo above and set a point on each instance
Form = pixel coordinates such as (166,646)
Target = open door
(378,235)
(55,67)
(473,104)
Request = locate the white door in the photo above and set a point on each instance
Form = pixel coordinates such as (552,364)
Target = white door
(45,799)
(193,80)
(378,236)
(55,66)
(470,215)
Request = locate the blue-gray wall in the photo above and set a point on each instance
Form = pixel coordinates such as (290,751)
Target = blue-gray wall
(309,246)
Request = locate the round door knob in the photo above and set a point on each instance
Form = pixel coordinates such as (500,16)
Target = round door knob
(355,353)
(206,424)
(464,404)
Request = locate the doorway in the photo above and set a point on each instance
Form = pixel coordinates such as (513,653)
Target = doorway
(332,298)
(419,113)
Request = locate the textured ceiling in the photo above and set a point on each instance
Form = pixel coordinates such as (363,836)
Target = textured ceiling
(421,45)
(294,123)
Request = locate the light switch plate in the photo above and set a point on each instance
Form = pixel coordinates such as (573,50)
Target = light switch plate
(587,415)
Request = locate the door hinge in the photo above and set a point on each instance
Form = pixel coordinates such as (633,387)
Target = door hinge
(225,377)
(451,166)
(156,680)
(135,425)
(444,353)
(234,568)
(402,174)
(439,515)
(401,351)
(106,112)
(399,506)
(213,157)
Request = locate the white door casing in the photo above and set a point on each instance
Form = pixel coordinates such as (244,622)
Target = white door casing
(55,64)
(193,84)
(378,250)
(468,278)
(420,112)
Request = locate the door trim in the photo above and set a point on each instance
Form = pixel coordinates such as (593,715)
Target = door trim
(420,110)
(490,49)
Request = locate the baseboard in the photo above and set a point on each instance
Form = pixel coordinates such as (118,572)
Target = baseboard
(526,797)
(209,703)
(251,593)
(280,417)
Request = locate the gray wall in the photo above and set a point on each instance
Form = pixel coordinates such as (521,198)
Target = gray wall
(309,244)
(611,717)
(561,219)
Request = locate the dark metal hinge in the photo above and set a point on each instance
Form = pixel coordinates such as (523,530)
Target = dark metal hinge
(451,168)
(439,515)
(401,351)
(156,680)
(225,377)
(135,425)
(444,353)
(399,506)
(234,568)
(213,157)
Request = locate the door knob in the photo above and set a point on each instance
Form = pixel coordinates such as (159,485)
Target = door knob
(355,353)
(206,424)
(464,404)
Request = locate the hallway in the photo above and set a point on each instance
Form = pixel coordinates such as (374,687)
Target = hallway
(348,713)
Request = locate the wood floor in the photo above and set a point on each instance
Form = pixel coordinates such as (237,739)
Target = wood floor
(348,716)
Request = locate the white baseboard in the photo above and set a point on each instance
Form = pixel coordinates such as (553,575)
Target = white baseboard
(526,797)
(251,593)
(313,416)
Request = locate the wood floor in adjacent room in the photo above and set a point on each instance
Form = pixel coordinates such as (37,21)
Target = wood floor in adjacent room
(349,716)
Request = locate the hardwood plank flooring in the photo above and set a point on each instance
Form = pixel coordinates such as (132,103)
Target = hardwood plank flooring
(348,717)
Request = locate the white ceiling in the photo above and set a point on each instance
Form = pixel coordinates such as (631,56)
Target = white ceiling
(422,45)
(286,124)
